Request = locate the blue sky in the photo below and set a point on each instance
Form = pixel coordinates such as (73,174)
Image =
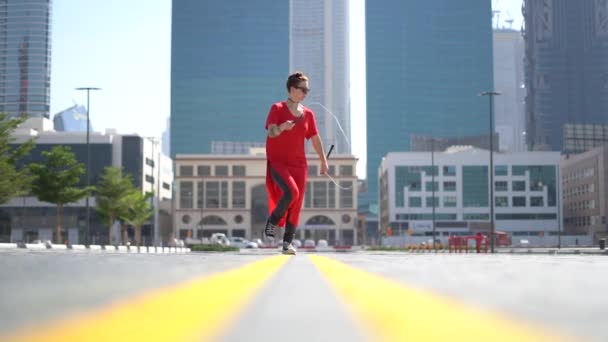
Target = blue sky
(124,47)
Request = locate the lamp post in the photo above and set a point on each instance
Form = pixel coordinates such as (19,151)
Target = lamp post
(88,176)
(433,187)
(491,95)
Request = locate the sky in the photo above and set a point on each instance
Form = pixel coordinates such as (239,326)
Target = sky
(124,47)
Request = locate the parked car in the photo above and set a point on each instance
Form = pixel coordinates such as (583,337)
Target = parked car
(322,244)
(219,238)
(309,243)
(296,243)
(242,243)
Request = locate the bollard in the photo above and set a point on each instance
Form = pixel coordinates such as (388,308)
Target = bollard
(602,244)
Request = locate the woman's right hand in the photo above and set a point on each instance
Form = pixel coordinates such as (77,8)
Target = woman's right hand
(287,125)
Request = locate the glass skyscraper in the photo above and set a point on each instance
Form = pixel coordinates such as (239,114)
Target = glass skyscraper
(73,119)
(566,68)
(229,63)
(427,61)
(25,57)
(319,48)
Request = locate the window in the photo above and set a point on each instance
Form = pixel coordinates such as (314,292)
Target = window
(518,170)
(519,186)
(501,201)
(224,194)
(200,194)
(346,194)
(449,170)
(519,201)
(429,202)
(331,195)
(213,194)
(185,195)
(415,202)
(449,201)
(166,186)
(313,170)
(536,201)
(346,170)
(432,186)
(185,170)
(221,170)
(501,186)
(501,170)
(475,186)
(238,170)
(150,179)
(307,196)
(536,186)
(332,170)
(449,186)
(204,170)
(476,217)
(149,162)
(319,199)
(238,194)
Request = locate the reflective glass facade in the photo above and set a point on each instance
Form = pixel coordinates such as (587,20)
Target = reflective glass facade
(73,119)
(226,70)
(319,48)
(427,61)
(25,57)
(566,68)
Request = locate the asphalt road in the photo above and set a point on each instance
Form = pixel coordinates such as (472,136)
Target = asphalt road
(562,294)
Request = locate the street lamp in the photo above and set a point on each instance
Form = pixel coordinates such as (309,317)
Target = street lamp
(88,176)
(491,95)
(433,187)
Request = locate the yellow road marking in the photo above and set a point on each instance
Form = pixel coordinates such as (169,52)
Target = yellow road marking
(196,311)
(394,312)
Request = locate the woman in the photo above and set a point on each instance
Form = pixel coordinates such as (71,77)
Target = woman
(289,125)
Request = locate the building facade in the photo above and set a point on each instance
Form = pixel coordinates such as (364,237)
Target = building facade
(25,57)
(318,46)
(73,119)
(226,70)
(427,61)
(585,184)
(566,68)
(227,194)
(26,218)
(509,108)
(583,138)
(455,184)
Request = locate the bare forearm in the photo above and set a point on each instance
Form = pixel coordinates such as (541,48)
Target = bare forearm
(318,147)
(274,131)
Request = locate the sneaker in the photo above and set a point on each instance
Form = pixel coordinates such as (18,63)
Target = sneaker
(288,248)
(269,230)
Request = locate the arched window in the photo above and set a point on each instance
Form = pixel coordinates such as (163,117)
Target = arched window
(320,220)
(213,220)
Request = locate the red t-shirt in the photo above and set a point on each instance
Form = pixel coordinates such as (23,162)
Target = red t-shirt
(288,147)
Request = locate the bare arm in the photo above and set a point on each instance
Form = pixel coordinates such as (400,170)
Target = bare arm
(318,146)
(276,130)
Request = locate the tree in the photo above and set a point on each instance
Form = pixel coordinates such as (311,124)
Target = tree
(139,210)
(112,192)
(57,181)
(14,181)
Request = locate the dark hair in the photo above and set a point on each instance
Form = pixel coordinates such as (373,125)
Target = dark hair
(294,79)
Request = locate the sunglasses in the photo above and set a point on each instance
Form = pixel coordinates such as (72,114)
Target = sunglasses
(303,89)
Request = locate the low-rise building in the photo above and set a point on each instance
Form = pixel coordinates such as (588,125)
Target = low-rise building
(451,190)
(227,194)
(585,184)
